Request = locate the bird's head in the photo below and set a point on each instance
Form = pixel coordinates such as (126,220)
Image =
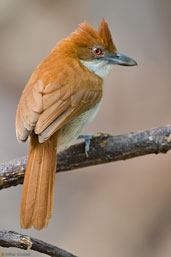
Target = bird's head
(96,50)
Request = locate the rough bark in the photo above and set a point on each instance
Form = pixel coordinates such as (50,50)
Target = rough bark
(104,148)
(13,239)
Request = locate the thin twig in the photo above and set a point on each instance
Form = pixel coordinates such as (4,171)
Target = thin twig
(13,239)
(103,148)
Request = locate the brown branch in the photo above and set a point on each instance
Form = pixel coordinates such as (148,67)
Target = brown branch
(13,239)
(103,148)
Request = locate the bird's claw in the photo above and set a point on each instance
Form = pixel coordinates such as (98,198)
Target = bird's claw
(87,138)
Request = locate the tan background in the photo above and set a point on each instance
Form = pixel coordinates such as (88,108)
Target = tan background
(120,209)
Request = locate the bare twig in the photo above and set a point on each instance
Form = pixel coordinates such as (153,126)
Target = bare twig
(104,148)
(13,239)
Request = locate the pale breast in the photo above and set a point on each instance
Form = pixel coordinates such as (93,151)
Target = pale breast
(73,129)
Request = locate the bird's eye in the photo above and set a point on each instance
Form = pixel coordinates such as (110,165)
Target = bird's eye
(97,51)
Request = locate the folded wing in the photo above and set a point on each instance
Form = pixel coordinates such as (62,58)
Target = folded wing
(45,109)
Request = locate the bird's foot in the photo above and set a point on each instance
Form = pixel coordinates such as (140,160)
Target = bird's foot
(87,138)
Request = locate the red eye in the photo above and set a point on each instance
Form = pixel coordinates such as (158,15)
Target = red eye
(97,51)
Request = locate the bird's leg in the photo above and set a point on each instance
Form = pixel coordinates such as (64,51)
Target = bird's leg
(87,138)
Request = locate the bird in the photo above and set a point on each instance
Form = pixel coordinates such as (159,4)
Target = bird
(61,98)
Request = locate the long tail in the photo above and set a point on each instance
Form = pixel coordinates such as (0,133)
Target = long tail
(38,187)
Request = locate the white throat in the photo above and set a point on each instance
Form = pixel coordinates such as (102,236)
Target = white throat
(99,67)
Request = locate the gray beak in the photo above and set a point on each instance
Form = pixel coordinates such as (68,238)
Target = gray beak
(121,59)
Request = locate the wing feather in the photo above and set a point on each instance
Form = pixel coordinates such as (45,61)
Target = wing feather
(50,114)
(47,108)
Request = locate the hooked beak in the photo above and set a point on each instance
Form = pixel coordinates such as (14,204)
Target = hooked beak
(121,59)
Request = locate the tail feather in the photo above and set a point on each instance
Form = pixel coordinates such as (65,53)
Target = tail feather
(38,187)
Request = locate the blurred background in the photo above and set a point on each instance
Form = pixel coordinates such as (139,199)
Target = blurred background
(120,209)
